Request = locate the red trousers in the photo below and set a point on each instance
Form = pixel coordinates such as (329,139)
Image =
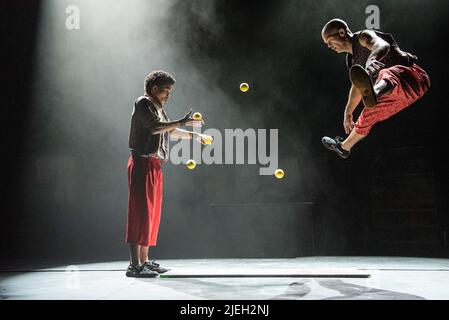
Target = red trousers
(144,200)
(410,84)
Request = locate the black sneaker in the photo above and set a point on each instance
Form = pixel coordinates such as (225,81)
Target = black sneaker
(140,271)
(335,145)
(153,266)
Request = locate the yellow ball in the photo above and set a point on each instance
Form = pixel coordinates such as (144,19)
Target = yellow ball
(197,116)
(207,141)
(279,173)
(191,164)
(244,87)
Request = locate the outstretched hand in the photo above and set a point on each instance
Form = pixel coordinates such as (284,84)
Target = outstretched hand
(202,138)
(187,117)
(187,120)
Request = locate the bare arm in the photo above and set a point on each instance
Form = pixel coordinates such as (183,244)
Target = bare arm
(187,135)
(172,127)
(152,122)
(181,134)
(161,127)
(379,49)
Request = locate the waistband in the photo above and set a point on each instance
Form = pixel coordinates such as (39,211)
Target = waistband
(134,152)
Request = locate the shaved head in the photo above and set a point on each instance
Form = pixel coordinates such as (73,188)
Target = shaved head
(337,36)
(333,26)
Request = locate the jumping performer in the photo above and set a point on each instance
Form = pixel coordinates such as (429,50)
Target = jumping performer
(383,76)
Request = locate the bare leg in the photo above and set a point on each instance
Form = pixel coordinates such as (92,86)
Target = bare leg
(351,140)
(143,254)
(134,250)
(383,88)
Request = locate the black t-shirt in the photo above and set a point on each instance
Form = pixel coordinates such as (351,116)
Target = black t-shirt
(146,114)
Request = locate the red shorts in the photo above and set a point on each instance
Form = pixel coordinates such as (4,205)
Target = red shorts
(144,200)
(410,84)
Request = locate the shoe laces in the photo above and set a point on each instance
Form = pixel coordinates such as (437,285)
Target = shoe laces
(146,266)
(153,262)
(338,139)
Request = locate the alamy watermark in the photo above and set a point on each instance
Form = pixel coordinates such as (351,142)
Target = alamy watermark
(261,148)
(73,19)
(72,281)
(373,20)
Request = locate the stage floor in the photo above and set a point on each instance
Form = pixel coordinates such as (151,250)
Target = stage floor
(307,278)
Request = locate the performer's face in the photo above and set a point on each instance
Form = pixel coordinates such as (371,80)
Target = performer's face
(336,41)
(162,93)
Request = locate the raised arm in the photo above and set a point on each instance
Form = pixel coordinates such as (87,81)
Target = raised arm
(379,49)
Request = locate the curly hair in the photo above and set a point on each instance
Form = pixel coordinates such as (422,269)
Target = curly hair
(158,78)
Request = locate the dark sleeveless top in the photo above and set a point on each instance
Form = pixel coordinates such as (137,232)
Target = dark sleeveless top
(395,55)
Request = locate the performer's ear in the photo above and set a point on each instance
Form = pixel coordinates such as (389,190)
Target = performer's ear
(155,89)
(342,33)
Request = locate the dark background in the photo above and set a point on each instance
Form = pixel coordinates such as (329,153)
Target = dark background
(63,190)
